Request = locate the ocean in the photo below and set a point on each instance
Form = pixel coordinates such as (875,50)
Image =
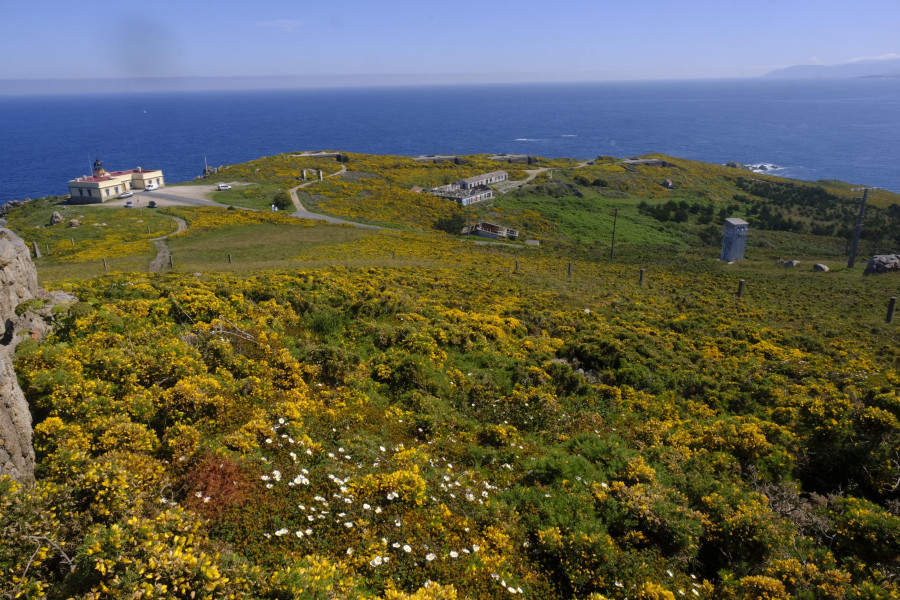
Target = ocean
(847,129)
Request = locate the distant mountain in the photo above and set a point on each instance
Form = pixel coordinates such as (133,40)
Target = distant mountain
(863,68)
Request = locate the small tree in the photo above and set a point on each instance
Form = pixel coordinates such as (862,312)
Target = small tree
(282,200)
(452,224)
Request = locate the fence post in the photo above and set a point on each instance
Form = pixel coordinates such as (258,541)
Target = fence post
(517,266)
(570,270)
(171,262)
(740,293)
(72,240)
(643,273)
(229,258)
(892,304)
(104,265)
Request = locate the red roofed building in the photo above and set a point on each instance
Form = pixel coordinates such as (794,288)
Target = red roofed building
(103,186)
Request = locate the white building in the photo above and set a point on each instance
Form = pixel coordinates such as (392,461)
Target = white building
(483,180)
(102,186)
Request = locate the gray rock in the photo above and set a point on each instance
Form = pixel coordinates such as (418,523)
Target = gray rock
(882,263)
(17,274)
(74,223)
(789,264)
(16,452)
(18,283)
(820,267)
(736,165)
(55,218)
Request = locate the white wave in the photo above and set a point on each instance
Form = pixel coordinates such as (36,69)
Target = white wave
(569,135)
(764,167)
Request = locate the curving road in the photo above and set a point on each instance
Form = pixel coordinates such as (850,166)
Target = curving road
(302,213)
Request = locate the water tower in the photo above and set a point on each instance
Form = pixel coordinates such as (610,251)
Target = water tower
(734,239)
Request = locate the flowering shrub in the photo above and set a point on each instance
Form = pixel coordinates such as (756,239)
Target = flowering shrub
(447,428)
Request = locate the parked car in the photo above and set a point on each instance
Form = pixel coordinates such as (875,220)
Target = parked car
(152,204)
(129,204)
(224,186)
(127,194)
(151,186)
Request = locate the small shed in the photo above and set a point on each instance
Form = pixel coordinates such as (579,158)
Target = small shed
(734,239)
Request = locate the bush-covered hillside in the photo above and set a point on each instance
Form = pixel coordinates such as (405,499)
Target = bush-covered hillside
(383,414)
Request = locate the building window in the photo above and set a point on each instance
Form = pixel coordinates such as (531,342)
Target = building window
(117,189)
(80,192)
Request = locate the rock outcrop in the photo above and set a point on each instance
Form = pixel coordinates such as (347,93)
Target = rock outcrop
(25,311)
(18,283)
(18,279)
(16,452)
(883,263)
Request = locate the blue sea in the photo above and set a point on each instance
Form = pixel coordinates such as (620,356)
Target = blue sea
(847,130)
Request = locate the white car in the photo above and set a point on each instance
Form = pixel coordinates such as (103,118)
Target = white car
(151,186)
(223,186)
(127,194)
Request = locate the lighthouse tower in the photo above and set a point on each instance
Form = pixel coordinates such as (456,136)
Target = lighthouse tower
(99,171)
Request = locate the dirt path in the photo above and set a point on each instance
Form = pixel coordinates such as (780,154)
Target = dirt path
(302,213)
(162,250)
(508,186)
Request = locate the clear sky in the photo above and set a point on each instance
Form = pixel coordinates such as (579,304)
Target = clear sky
(562,40)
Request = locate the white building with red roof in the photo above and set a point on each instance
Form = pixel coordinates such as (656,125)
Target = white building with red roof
(103,186)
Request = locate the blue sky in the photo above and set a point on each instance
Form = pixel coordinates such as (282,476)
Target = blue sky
(487,39)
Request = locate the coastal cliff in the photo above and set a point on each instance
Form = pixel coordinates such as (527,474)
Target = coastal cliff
(18,283)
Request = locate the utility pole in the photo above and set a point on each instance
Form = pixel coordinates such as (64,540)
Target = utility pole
(859,224)
(612,247)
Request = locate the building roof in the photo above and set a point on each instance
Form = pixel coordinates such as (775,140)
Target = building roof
(485,176)
(93,179)
(736,221)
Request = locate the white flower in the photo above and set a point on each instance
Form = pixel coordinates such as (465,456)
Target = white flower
(281,532)
(309,532)
(392,495)
(298,533)
(199,494)
(476,547)
(366,507)
(349,551)
(349,524)
(430,557)
(407,548)
(375,562)
(511,590)
(454,554)
(206,499)
(268,440)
